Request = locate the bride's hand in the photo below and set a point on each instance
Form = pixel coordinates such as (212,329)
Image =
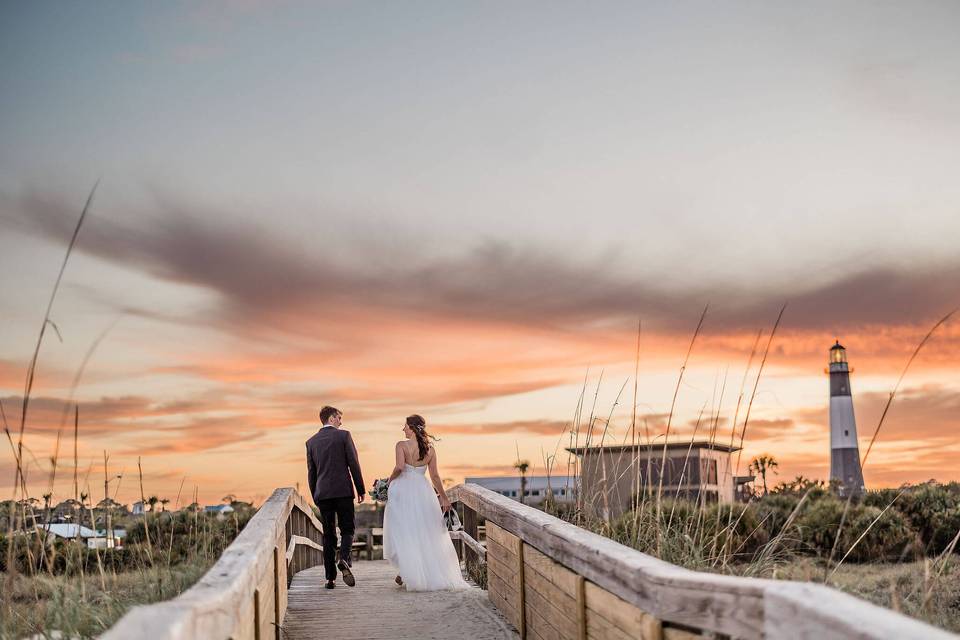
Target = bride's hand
(444,505)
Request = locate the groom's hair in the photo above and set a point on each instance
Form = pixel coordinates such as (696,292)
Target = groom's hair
(326,412)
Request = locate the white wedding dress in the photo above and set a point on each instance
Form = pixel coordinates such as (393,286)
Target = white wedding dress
(415,538)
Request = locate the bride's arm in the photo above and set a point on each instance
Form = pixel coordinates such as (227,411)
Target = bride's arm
(437,483)
(398,466)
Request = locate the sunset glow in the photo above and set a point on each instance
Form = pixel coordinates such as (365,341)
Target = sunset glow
(465,216)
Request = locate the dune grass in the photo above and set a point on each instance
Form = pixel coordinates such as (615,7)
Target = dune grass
(80,607)
(912,588)
(754,539)
(61,589)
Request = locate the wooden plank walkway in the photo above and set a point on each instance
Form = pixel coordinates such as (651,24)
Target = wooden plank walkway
(378,609)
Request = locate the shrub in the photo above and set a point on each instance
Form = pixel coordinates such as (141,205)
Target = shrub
(925,506)
(889,539)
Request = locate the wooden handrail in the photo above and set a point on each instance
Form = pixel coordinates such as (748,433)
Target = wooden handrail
(244,595)
(607,583)
(543,574)
(469,542)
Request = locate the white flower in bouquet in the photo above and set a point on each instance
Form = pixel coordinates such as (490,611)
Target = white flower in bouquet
(379,491)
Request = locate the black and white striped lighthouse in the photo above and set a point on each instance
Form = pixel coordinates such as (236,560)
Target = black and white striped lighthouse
(844,452)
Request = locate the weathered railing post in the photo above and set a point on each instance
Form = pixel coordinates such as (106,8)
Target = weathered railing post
(457,542)
(301,550)
(277,615)
(471,561)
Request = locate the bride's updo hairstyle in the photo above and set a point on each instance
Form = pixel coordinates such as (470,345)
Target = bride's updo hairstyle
(419,427)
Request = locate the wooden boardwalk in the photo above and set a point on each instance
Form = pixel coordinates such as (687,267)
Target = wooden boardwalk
(377,608)
(547,578)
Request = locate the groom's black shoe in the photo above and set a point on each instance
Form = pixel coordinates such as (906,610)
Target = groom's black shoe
(330,584)
(347,574)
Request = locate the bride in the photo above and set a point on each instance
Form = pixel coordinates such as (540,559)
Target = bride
(415,538)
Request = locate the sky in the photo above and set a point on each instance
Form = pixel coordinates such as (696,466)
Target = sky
(465,210)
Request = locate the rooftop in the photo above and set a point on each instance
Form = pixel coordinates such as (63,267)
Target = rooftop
(218,508)
(67,530)
(671,446)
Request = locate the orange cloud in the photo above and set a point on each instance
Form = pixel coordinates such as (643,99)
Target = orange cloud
(538,427)
(198,435)
(382,335)
(103,415)
(464,470)
(930,413)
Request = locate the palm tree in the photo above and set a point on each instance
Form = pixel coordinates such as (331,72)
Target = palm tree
(761,464)
(163,503)
(152,501)
(230,498)
(522,466)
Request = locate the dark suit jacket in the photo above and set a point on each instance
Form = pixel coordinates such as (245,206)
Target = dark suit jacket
(331,461)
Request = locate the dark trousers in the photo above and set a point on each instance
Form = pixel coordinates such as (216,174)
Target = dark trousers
(336,512)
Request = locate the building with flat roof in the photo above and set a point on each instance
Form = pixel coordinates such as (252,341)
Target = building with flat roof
(612,476)
(536,489)
(101,539)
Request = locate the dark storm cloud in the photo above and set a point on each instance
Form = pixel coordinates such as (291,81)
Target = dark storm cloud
(258,276)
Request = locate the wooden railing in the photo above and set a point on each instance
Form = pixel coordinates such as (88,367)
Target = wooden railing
(550,579)
(244,595)
(553,580)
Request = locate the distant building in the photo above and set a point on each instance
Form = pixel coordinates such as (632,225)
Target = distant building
(219,509)
(743,488)
(536,490)
(93,539)
(138,509)
(69,531)
(611,476)
(844,451)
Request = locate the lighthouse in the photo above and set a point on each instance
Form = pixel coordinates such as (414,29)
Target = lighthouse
(844,453)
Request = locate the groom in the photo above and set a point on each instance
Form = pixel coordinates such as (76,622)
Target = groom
(331,462)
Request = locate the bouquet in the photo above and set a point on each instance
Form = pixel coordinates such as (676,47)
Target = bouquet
(379,490)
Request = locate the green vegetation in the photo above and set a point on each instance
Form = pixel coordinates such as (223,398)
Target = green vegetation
(64,586)
(51,585)
(908,587)
(908,524)
(894,547)
(80,607)
(898,547)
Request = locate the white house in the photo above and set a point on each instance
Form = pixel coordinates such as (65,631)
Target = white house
(219,509)
(69,530)
(137,509)
(93,539)
(104,541)
(536,490)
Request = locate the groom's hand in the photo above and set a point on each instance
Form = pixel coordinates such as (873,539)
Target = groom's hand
(360,498)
